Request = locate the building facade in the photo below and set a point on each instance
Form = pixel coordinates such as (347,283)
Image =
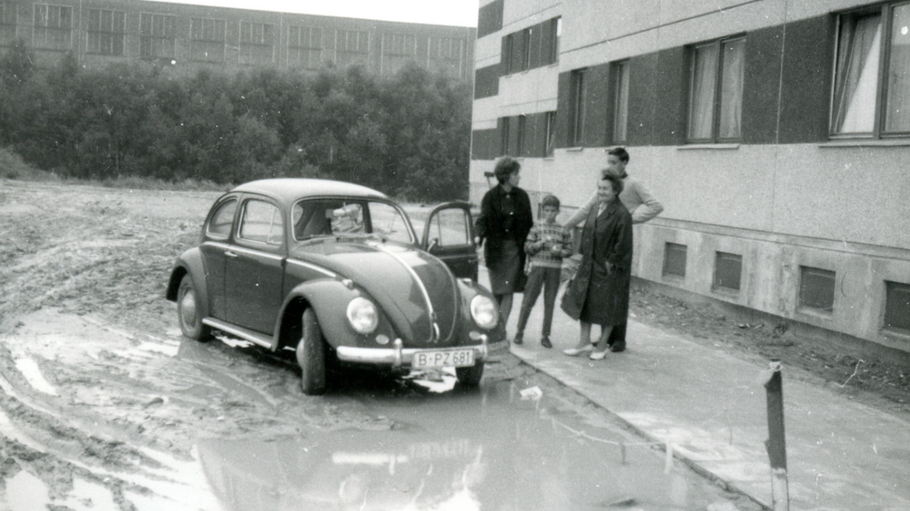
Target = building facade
(775,133)
(188,37)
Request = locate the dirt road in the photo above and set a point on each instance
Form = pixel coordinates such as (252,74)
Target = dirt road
(103,401)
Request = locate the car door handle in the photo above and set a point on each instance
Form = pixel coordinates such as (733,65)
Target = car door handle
(230,254)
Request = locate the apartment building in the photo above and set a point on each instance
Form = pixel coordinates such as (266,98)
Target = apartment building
(776,134)
(189,37)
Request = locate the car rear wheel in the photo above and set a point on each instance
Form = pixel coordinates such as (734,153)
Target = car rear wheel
(311,356)
(470,376)
(189,312)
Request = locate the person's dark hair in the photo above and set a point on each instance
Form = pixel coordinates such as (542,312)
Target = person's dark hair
(550,200)
(615,180)
(505,167)
(621,153)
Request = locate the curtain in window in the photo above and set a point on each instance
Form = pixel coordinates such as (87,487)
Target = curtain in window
(897,112)
(731,98)
(704,80)
(621,112)
(857,74)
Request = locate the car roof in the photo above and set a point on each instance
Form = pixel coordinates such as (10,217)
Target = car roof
(291,189)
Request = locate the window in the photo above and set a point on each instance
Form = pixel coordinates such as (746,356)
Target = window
(524,62)
(397,50)
(450,228)
(256,43)
(897,306)
(220,224)
(579,99)
(816,288)
(157,36)
(675,260)
(207,40)
(550,139)
(446,56)
(522,133)
(620,101)
(727,271)
(305,47)
(7,23)
(872,73)
(106,32)
(716,91)
(351,47)
(504,137)
(261,223)
(53,27)
(552,53)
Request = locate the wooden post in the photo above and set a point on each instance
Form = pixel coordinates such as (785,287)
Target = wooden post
(776,444)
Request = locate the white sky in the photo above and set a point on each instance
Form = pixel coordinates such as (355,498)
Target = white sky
(462,13)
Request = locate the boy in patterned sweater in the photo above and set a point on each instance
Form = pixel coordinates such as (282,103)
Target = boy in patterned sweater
(547,243)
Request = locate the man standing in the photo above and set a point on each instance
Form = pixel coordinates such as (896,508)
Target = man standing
(640,203)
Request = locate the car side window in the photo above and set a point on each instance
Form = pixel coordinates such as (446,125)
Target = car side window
(220,224)
(387,221)
(261,222)
(450,228)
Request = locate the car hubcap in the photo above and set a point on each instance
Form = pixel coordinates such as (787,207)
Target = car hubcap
(188,308)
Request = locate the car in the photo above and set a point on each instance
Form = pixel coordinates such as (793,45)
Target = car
(335,272)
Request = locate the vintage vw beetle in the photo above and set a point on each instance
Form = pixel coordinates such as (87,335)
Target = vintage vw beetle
(335,271)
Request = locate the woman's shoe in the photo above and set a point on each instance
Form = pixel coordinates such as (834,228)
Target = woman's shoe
(598,355)
(577,351)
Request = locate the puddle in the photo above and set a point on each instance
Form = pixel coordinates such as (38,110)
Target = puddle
(25,492)
(489,449)
(29,368)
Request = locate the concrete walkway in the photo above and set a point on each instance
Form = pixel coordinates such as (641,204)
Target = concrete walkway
(711,409)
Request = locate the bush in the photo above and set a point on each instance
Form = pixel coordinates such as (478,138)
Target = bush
(407,135)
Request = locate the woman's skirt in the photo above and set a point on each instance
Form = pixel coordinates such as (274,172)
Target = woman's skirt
(506,276)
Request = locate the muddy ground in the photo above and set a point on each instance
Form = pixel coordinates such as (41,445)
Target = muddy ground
(95,397)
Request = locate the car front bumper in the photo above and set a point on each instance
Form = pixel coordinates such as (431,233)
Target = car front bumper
(399,356)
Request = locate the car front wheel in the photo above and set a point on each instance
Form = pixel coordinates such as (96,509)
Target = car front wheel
(470,376)
(189,312)
(311,356)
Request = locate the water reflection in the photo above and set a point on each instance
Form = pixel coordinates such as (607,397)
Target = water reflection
(465,451)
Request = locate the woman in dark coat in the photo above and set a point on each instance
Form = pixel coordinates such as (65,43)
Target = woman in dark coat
(599,292)
(504,222)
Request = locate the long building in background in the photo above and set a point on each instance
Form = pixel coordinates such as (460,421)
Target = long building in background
(776,135)
(190,37)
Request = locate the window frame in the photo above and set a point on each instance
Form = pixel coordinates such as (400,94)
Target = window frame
(885,11)
(203,36)
(305,50)
(254,43)
(107,38)
(578,106)
(57,37)
(717,100)
(153,37)
(619,73)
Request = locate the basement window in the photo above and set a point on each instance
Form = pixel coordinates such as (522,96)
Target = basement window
(816,289)
(675,260)
(728,270)
(897,307)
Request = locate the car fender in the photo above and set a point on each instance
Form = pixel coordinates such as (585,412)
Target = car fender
(189,262)
(329,298)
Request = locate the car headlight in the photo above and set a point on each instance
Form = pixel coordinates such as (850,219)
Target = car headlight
(484,312)
(362,315)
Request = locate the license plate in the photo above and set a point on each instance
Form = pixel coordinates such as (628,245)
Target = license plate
(447,358)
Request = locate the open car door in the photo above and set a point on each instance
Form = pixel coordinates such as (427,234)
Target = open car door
(449,235)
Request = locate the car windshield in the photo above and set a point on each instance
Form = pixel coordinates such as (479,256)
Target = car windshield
(317,218)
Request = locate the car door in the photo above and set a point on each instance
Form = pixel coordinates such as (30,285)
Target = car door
(449,235)
(254,266)
(216,241)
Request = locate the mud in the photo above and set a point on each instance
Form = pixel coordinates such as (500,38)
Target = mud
(106,407)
